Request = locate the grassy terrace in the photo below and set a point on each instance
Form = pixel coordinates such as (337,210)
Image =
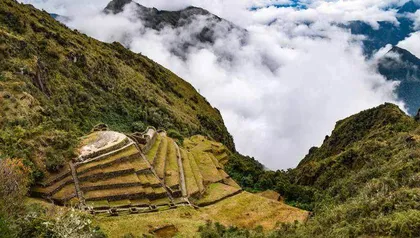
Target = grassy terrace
(120,167)
(139,164)
(243,210)
(160,202)
(51,177)
(140,202)
(54,186)
(120,192)
(207,168)
(232,183)
(160,159)
(191,183)
(129,151)
(120,203)
(249,210)
(216,192)
(215,161)
(119,181)
(171,167)
(98,204)
(197,174)
(65,193)
(143,178)
(152,179)
(151,154)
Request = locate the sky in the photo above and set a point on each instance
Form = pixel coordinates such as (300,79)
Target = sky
(282,87)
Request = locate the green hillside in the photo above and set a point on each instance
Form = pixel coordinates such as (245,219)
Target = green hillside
(364,181)
(366,176)
(56,84)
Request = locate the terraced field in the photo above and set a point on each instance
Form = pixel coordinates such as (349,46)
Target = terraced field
(113,172)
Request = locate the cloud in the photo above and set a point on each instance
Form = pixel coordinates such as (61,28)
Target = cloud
(280,88)
(412,43)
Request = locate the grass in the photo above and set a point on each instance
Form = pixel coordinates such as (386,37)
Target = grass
(215,161)
(140,202)
(151,154)
(197,174)
(139,164)
(46,118)
(171,168)
(53,176)
(98,204)
(129,151)
(160,202)
(106,193)
(215,192)
(243,210)
(119,180)
(160,159)
(123,166)
(49,189)
(143,178)
(185,219)
(120,203)
(207,168)
(152,179)
(231,183)
(190,180)
(66,192)
(223,174)
(249,211)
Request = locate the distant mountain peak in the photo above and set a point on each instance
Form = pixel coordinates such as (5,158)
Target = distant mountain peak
(117,6)
(409,7)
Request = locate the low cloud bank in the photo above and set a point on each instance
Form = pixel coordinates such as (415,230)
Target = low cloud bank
(280,88)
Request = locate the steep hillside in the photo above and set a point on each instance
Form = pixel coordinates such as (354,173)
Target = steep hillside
(365,177)
(55,84)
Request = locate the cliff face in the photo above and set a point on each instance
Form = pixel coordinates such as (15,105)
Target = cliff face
(56,84)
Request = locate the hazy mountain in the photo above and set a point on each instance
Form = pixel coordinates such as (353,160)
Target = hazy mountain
(400,65)
(207,26)
(388,32)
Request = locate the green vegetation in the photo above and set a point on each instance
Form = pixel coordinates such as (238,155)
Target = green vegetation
(56,84)
(363,180)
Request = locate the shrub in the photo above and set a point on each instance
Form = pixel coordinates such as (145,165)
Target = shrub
(176,135)
(14,185)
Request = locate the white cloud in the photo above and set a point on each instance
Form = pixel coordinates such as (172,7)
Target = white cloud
(412,44)
(280,90)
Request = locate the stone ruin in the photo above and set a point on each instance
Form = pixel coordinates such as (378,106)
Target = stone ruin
(140,172)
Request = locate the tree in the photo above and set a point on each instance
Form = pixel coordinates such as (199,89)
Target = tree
(14,185)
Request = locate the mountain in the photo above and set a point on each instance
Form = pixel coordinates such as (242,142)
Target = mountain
(387,32)
(365,176)
(402,66)
(56,84)
(210,28)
